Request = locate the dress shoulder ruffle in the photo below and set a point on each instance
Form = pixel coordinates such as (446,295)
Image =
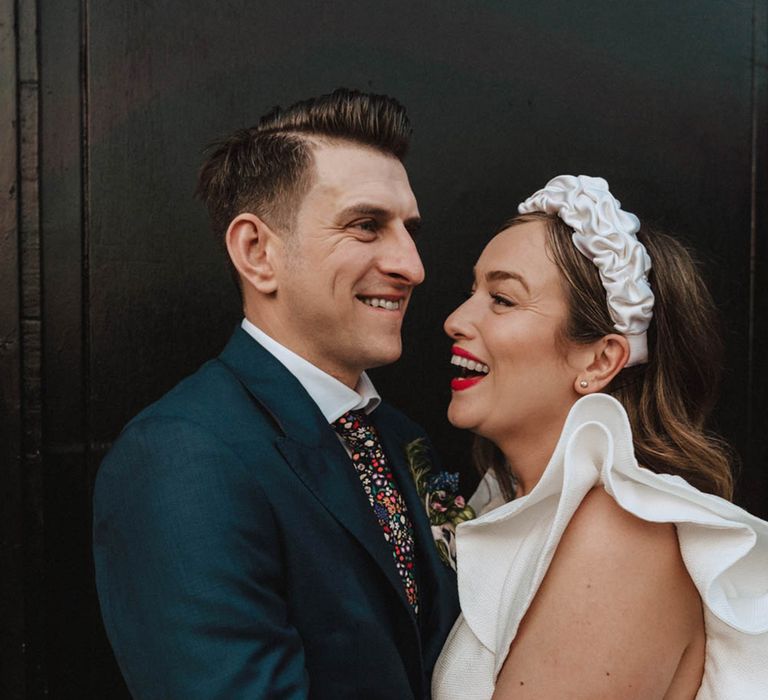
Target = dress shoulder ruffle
(504,554)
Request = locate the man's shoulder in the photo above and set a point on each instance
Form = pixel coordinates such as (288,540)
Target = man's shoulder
(208,422)
(210,405)
(205,396)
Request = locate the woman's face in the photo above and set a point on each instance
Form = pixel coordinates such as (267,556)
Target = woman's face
(510,324)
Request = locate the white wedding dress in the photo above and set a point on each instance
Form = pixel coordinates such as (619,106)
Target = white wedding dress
(503,555)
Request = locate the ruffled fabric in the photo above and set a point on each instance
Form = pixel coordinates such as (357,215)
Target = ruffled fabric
(504,554)
(607,236)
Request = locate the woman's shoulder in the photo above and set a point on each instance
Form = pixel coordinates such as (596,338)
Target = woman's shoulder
(608,549)
(600,530)
(615,601)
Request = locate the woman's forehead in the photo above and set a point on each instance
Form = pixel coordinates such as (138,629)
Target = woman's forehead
(520,250)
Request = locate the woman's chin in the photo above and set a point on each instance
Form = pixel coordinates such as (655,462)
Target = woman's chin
(458,418)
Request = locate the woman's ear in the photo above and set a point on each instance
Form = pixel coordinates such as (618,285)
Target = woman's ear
(252,247)
(606,358)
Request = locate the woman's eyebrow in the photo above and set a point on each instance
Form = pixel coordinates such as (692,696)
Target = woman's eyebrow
(499,275)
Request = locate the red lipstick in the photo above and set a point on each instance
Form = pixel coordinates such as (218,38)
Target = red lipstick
(461,383)
(461,352)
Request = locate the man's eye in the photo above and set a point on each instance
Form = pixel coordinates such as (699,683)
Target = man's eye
(370,225)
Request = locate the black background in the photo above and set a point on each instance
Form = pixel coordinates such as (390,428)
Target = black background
(112,289)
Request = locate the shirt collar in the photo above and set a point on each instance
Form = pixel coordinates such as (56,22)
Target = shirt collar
(332,397)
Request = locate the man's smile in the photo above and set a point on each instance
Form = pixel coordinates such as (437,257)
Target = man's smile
(384,302)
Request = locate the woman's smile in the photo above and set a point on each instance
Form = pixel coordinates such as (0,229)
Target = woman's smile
(472,369)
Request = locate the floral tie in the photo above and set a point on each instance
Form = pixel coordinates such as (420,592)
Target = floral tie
(380,487)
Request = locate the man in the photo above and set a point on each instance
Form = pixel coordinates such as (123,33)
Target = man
(257,533)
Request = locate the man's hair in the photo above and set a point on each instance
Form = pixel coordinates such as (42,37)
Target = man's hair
(267,169)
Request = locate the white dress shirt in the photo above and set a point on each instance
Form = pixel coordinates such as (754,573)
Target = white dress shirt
(332,397)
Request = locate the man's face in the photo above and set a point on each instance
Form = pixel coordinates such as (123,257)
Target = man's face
(350,263)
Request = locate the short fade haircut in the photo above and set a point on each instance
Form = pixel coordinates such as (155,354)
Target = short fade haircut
(266,169)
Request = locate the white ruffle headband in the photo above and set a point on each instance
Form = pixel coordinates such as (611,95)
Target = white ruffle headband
(607,236)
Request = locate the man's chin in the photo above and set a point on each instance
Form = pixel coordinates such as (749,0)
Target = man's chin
(383,356)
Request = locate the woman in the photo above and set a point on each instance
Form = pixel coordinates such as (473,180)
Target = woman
(587,347)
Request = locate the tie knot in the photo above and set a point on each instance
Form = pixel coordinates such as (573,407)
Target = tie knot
(356,428)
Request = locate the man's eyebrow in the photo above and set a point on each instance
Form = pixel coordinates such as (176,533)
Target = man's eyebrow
(365,210)
(413,223)
(500,275)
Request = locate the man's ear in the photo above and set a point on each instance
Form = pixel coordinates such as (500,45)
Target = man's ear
(604,360)
(252,247)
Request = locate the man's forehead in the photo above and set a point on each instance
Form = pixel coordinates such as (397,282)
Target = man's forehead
(336,157)
(348,172)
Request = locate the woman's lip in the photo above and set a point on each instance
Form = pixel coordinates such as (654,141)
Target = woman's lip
(461,352)
(461,383)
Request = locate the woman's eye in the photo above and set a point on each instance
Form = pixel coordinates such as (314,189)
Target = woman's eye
(501,301)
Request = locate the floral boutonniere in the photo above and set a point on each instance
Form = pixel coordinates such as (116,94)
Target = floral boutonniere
(446,507)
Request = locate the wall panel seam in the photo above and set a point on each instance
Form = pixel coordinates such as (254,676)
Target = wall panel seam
(31,345)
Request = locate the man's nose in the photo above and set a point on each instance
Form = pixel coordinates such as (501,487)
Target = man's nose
(401,258)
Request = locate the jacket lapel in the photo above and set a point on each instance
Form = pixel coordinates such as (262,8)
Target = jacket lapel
(438,581)
(328,473)
(311,448)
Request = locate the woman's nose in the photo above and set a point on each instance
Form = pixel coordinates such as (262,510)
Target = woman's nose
(456,325)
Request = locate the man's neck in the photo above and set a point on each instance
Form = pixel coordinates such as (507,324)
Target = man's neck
(332,396)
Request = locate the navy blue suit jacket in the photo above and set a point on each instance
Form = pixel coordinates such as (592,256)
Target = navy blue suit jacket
(237,555)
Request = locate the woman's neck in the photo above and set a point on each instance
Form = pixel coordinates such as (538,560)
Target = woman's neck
(528,454)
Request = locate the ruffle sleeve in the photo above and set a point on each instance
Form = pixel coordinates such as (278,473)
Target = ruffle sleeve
(504,554)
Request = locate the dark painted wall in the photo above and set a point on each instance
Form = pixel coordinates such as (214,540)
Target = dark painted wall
(112,288)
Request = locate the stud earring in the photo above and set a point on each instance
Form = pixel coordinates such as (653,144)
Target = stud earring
(583,383)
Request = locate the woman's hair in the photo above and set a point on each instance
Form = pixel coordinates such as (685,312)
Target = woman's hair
(669,398)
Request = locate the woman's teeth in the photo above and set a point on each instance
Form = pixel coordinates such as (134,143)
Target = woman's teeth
(381,303)
(471,365)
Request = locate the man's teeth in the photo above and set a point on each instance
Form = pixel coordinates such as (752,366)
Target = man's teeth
(381,303)
(471,365)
